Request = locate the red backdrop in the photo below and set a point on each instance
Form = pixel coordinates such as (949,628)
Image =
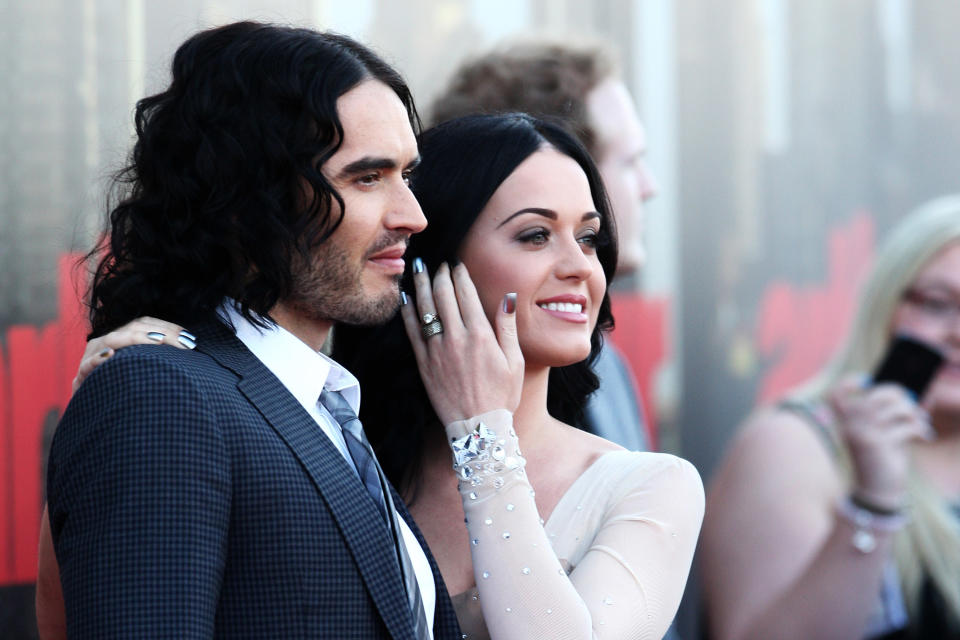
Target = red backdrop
(37,365)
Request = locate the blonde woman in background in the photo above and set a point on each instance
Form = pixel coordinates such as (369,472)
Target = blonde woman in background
(836,513)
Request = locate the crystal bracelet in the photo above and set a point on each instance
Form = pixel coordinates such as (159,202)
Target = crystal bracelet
(868,523)
(481,455)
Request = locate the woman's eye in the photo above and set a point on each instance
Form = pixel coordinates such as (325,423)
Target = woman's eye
(368,180)
(408,178)
(536,237)
(589,240)
(937,305)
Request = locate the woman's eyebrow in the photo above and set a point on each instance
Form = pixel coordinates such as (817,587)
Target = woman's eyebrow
(546,213)
(936,284)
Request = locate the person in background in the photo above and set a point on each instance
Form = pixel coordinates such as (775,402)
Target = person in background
(579,87)
(836,512)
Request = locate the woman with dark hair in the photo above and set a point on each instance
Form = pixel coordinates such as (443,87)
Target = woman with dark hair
(576,537)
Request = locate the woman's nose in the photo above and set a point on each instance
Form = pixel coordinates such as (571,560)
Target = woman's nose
(573,262)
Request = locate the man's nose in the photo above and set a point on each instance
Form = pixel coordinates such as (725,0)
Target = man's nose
(649,186)
(406,212)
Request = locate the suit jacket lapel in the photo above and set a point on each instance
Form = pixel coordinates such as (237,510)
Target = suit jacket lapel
(369,540)
(445,623)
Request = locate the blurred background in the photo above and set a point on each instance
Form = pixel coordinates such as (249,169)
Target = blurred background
(786,137)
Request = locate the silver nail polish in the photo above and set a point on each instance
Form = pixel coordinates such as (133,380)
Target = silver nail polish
(417,265)
(187,342)
(510,303)
(186,333)
(403,298)
(156,336)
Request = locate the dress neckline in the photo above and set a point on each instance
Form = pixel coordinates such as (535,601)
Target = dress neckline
(586,472)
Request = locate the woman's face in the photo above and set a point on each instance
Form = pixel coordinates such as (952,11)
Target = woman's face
(537,236)
(930,311)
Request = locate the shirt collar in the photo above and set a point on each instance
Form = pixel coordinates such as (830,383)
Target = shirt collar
(303,371)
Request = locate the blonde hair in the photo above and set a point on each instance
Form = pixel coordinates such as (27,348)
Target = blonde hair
(930,545)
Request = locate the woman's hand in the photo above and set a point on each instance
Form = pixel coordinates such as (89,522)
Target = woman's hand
(467,369)
(143,330)
(879,423)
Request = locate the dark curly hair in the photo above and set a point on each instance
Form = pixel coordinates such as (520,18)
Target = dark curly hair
(224,189)
(464,162)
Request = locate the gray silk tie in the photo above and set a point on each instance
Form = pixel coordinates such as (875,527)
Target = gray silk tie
(367,467)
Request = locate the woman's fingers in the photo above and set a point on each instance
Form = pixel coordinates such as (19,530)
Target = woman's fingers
(468,300)
(150,331)
(411,323)
(870,407)
(423,291)
(911,430)
(894,413)
(464,369)
(506,329)
(446,301)
(879,423)
(87,365)
(144,330)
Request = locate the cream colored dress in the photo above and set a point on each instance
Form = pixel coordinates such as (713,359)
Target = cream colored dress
(611,562)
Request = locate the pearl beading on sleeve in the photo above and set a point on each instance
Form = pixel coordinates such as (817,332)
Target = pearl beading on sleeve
(628,582)
(523,588)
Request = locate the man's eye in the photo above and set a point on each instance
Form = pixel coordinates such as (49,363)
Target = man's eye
(369,179)
(408,178)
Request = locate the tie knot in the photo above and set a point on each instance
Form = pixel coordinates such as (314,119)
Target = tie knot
(337,405)
(340,409)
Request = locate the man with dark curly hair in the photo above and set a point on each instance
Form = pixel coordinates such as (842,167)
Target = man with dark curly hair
(579,86)
(226,489)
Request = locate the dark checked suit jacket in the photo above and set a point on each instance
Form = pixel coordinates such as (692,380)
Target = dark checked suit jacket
(191,496)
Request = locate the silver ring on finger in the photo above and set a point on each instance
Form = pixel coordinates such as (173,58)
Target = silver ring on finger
(432,329)
(429,318)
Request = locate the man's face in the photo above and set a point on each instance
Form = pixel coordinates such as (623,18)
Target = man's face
(621,147)
(353,277)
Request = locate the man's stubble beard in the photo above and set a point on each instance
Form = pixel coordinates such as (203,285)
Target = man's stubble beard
(329,288)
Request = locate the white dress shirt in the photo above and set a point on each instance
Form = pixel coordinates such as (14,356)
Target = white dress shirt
(305,373)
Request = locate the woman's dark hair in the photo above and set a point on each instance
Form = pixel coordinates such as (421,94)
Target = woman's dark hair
(464,162)
(223,189)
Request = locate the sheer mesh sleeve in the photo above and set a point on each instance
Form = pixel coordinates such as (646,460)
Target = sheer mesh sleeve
(635,553)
